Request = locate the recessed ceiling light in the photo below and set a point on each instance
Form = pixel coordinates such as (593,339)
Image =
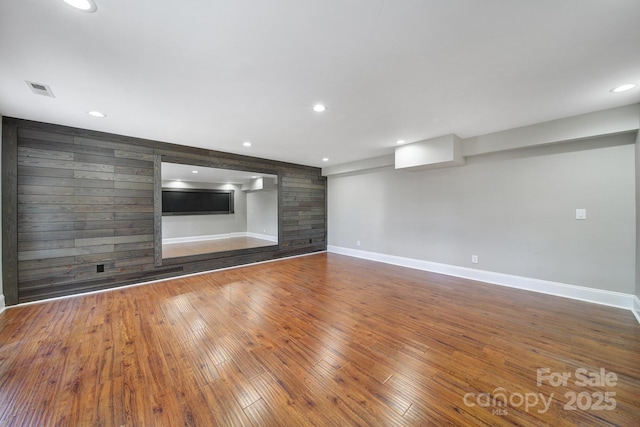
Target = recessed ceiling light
(623,88)
(246,144)
(83,5)
(319,108)
(194,171)
(253,177)
(97,114)
(326,159)
(400,141)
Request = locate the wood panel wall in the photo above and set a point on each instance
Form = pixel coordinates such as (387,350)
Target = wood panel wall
(79,202)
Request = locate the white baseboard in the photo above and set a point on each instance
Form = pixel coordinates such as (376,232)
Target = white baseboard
(263,237)
(598,296)
(238,234)
(190,239)
(636,307)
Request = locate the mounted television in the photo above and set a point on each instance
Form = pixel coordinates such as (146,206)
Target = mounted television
(189,201)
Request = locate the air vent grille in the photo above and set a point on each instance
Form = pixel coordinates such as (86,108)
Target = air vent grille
(40,89)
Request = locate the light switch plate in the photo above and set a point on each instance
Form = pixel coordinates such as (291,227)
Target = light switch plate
(581,214)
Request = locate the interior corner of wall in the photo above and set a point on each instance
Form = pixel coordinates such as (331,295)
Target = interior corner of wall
(636,307)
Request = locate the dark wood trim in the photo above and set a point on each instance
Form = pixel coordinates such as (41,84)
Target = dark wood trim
(280,211)
(157,210)
(9,213)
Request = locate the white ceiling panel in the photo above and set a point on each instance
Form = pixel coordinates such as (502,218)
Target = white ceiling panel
(214,74)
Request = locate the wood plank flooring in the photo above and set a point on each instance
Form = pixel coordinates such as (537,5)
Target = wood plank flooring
(173,250)
(322,340)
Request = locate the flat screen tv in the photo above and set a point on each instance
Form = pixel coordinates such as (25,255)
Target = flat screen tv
(183,201)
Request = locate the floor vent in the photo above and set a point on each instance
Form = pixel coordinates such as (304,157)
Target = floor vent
(40,89)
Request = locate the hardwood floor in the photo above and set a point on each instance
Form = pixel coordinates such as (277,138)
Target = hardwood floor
(173,250)
(318,340)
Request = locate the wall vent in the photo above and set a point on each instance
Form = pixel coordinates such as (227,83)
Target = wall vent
(40,89)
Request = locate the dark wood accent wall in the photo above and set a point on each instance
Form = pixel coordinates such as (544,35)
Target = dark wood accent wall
(74,200)
(9,214)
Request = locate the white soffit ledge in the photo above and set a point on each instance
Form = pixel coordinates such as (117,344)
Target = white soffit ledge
(432,153)
(609,122)
(600,123)
(373,163)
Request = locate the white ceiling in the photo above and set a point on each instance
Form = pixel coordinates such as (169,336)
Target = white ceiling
(216,73)
(175,171)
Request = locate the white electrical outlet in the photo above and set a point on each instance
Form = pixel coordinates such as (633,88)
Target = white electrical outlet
(581,214)
(358,243)
(474,259)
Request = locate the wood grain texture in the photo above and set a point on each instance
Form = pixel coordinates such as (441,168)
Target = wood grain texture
(9,213)
(319,340)
(157,210)
(174,250)
(73,196)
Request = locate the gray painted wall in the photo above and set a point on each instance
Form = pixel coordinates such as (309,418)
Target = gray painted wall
(262,212)
(637,147)
(514,209)
(1,275)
